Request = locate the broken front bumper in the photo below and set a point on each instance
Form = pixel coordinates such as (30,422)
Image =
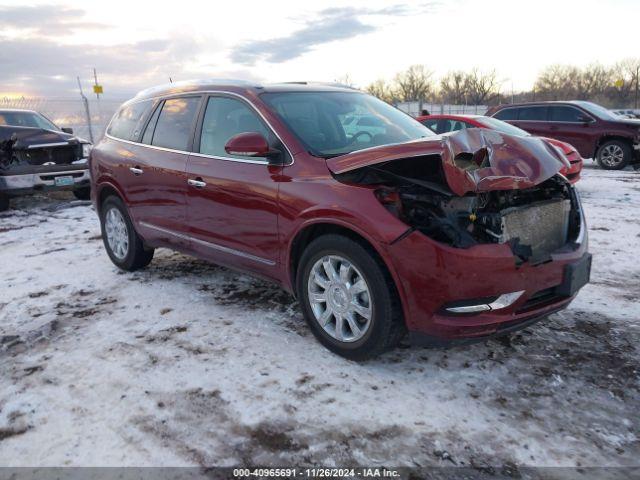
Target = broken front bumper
(433,277)
(44,179)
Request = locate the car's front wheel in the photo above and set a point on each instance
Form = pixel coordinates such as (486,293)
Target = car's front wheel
(124,246)
(614,155)
(348,298)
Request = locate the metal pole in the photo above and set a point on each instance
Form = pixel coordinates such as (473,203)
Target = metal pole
(637,78)
(86,109)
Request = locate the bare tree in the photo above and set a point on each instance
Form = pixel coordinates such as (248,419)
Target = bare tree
(482,87)
(453,87)
(414,84)
(556,82)
(345,80)
(623,84)
(591,82)
(381,89)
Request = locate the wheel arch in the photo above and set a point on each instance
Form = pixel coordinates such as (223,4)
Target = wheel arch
(310,231)
(608,137)
(105,190)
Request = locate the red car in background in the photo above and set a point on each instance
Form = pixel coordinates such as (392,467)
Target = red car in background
(451,123)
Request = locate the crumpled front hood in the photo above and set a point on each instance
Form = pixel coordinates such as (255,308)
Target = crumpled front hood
(473,160)
(24,137)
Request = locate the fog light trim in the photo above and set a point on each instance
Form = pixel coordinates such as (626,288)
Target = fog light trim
(503,301)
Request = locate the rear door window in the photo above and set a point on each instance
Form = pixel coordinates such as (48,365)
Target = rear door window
(128,121)
(532,114)
(562,113)
(175,123)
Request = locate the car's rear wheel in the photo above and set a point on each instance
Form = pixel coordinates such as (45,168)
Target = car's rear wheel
(82,193)
(614,155)
(348,298)
(124,246)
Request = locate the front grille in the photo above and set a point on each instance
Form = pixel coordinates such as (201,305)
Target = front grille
(543,226)
(57,155)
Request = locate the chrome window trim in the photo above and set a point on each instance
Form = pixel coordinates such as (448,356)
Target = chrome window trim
(205,92)
(214,246)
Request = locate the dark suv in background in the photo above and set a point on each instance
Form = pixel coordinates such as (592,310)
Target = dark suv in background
(36,156)
(593,130)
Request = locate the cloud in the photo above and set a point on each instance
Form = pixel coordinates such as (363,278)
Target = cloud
(41,64)
(46,20)
(39,59)
(331,24)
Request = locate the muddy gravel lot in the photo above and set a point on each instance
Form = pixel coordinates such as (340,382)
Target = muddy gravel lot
(187,363)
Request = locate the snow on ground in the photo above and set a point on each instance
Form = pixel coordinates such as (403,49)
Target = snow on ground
(187,363)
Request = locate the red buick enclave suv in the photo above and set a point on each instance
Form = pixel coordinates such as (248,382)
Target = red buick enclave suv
(378,230)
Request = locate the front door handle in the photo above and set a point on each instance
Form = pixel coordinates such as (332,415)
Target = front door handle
(136,170)
(196,182)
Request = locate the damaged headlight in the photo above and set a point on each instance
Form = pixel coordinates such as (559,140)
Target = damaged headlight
(86,150)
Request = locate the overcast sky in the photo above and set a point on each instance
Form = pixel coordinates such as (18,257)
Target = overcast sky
(133,45)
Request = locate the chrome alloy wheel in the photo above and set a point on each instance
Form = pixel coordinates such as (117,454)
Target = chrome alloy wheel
(117,234)
(339,298)
(612,155)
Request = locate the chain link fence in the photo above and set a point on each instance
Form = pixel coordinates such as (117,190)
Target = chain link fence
(415,108)
(70,112)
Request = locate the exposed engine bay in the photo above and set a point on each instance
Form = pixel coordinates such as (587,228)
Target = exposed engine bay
(534,221)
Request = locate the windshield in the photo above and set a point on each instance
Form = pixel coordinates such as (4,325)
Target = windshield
(597,110)
(335,123)
(503,127)
(26,119)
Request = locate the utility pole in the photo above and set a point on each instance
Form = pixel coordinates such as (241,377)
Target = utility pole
(97,89)
(86,109)
(637,78)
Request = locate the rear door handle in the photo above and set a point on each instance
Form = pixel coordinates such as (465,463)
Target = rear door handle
(196,182)
(136,170)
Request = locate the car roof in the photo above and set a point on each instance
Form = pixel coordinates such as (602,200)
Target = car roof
(533,104)
(232,85)
(16,110)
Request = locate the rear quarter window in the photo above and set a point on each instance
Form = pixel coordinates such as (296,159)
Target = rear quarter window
(127,123)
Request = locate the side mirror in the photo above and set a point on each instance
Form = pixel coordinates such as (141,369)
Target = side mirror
(250,144)
(68,130)
(584,119)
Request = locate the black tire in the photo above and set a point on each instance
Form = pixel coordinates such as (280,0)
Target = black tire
(82,193)
(386,326)
(137,255)
(4,202)
(608,161)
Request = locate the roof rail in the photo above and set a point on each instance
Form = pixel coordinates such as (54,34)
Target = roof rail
(195,82)
(327,84)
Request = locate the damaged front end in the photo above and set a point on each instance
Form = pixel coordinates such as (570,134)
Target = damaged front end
(35,160)
(21,147)
(474,187)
